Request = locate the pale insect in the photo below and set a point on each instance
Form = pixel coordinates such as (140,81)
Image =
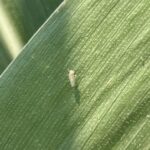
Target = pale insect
(72,78)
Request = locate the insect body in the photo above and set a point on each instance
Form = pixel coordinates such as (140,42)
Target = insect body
(72,78)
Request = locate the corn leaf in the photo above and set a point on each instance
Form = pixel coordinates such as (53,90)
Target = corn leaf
(107,44)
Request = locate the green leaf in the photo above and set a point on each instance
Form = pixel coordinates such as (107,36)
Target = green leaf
(107,44)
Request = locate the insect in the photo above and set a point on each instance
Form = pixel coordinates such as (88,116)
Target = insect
(72,78)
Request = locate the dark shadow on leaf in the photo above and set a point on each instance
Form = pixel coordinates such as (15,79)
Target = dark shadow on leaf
(76,94)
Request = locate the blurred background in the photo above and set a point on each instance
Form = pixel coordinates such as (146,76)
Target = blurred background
(19,20)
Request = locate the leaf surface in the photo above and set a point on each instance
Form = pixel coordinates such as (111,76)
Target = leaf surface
(107,44)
